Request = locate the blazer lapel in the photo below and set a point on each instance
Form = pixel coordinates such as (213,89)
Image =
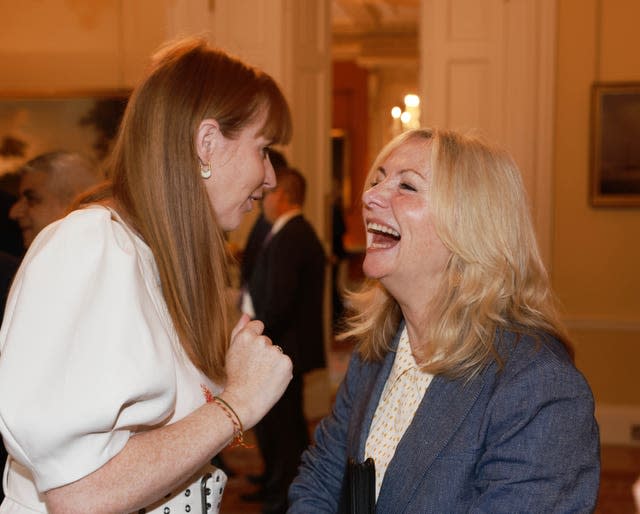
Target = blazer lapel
(372,392)
(440,414)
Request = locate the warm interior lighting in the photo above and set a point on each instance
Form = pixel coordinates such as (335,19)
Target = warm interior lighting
(407,118)
(411,100)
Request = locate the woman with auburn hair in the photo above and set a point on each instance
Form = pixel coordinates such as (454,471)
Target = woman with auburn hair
(462,389)
(119,377)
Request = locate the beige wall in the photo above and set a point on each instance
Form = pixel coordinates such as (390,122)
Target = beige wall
(596,252)
(66,44)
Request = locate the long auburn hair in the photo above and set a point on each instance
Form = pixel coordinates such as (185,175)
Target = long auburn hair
(495,278)
(155,180)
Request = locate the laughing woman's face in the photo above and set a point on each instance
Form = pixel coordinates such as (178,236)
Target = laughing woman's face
(403,249)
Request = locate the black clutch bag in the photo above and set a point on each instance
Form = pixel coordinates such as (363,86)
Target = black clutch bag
(359,488)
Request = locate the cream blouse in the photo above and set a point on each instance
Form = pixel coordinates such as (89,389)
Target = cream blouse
(88,355)
(401,396)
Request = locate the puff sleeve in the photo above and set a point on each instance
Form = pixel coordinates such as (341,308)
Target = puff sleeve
(86,357)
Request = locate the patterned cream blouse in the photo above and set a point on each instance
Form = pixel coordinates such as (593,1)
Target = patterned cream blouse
(400,398)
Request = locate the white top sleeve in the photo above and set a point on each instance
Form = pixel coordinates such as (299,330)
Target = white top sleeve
(85,355)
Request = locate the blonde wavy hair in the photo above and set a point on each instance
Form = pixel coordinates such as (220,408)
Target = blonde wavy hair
(155,180)
(494,279)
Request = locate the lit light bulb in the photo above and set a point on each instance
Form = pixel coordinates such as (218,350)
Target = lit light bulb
(411,100)
(396,112)
(405,117)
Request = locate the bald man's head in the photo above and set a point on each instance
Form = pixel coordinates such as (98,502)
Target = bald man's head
(48,185)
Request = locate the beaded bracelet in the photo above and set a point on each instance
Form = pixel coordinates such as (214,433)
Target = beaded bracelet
(238,433)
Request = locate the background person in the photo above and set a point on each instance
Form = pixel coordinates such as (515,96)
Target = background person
(287,291)
(462,389)
(48,185)
(118,382)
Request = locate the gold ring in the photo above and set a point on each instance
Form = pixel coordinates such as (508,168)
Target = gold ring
(278,348)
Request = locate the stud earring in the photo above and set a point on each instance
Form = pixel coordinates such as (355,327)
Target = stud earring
(205,170)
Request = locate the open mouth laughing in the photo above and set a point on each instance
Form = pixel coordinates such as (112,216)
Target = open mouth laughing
(381,236)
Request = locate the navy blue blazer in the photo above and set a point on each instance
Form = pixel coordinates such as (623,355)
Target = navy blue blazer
(287,290)
(520,439)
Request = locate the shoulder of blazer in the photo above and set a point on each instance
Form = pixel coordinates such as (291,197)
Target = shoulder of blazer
(521,350)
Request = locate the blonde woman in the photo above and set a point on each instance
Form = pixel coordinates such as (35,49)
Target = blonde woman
(118,378)
(463,389)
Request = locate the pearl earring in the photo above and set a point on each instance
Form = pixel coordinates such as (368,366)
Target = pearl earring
(205,170)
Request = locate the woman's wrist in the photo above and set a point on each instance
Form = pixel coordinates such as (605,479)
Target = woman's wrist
(239,407)
(226,405)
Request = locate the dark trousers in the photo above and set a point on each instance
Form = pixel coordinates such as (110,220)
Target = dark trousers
(282,437)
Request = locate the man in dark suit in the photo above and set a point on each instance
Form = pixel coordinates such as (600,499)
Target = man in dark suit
(287,290)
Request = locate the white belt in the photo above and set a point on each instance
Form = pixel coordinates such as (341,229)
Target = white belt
(202,496)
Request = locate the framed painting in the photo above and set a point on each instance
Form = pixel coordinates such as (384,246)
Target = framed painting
(84,122)
(615,145)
